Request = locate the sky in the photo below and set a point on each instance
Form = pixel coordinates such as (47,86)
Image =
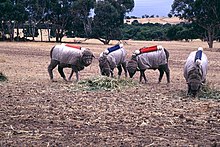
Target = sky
(151,7)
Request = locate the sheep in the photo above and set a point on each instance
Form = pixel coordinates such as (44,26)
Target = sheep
(195,71)
(111,58)
(155,57)
(68,56)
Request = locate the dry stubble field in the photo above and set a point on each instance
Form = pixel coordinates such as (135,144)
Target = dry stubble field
(37,112)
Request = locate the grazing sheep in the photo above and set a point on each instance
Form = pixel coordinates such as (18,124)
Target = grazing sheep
(74,57)
(111,58)
(195,71)
(155,57)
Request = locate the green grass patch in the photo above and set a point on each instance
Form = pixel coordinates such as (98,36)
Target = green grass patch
(102,83)
(208,91)
(3,77)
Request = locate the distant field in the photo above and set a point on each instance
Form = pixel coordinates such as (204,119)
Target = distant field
(161,20)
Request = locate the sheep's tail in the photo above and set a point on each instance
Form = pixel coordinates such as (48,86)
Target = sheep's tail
(167,54)
(51,51)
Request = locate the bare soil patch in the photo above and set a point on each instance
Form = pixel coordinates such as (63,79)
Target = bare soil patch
(37,112)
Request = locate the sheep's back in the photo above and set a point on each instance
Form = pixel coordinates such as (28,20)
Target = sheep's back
(190,64)
(117,57)
(66,55)
(151,59)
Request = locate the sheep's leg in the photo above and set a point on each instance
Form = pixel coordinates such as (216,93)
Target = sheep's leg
(145,79)
(119,70)
(142,75)
(111,72)
(53,64)
(77,76)
(161,74)
(162,69)
(60,69)
(74,69)
(189,90)
(71,74)
(140,79)
(167,71)
(125,69)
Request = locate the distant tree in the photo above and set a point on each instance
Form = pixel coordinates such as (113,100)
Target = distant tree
(82,10)
(205,13)
(145,16)
(127,17)
(37,10)
(135,22)
(133,17)
(106,22)
(20,16)
(61,15)
(109,17)
(7,18)
(129,31)
(6,8)
(170,15)
(173,32)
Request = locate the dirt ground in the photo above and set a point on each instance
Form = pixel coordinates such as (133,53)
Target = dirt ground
(37,112)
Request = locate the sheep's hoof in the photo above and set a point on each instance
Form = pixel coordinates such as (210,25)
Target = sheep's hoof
(69,81)
(145,82)
(53,80)
(64,79)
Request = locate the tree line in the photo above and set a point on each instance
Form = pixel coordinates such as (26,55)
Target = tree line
(64,17)
(104,20)
(164,32)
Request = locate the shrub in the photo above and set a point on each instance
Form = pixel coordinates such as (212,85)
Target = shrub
(3,77)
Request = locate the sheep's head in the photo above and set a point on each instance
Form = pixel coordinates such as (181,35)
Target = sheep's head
(194,81)
(132,66)
(104,66)
(87,57)
(194,87)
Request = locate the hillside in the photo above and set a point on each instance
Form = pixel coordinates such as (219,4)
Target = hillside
(161,20)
